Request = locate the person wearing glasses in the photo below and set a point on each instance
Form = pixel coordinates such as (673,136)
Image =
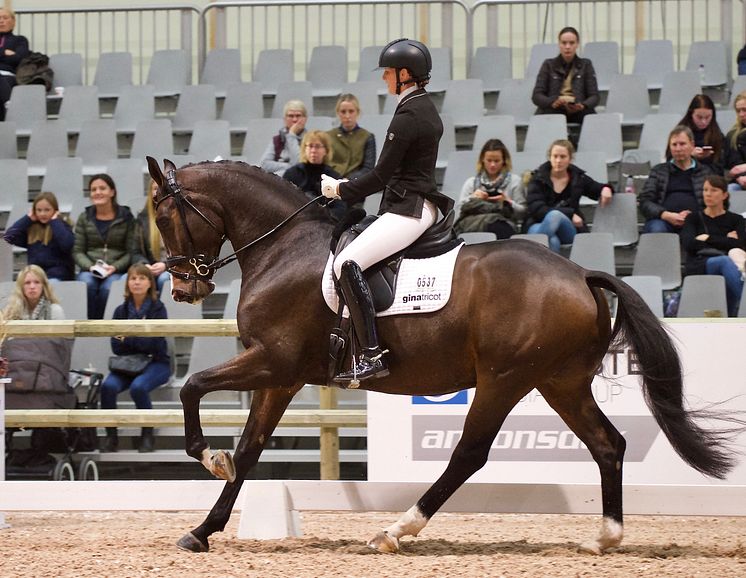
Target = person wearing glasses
(306,175)
(283,151)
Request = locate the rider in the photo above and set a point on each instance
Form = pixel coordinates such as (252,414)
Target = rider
(406,173)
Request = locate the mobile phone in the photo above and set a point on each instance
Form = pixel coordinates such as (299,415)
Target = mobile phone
(706,148)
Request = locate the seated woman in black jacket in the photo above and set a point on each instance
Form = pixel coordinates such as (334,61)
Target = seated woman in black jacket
(315,153)
(13,49)
(140,302)
(715,239)
(554,193)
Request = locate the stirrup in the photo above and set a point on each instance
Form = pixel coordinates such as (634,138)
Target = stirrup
(365,368)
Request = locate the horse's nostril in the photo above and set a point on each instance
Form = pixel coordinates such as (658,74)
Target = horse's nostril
(181,296)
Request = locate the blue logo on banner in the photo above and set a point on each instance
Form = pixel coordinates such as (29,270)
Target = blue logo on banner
(457,398)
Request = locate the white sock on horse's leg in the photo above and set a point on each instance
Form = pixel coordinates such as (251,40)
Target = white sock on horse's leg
(610,536)
(409,524)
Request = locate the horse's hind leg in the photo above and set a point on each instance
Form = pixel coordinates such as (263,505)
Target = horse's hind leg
(483,421)
(583,416)
(267,407)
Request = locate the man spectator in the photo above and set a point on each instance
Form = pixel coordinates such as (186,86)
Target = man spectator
(674,188)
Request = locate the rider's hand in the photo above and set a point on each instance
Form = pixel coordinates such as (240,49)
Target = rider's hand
(330,187)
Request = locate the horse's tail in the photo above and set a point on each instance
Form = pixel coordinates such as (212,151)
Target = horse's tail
(638,327)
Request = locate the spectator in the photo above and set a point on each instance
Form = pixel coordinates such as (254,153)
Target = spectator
(149,241)
(283,151)
(494,199)
(554,193)
(13,49)
(105,242)
(734,155)
(673,189)
(306,175)
(140,302)
(39,367)
(353,149)
(715,240)
(567,83)
(701,118)
(47,236)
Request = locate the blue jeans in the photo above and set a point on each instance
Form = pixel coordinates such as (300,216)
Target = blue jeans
(98,292)
(724,265)
(155,374)
(658,226)
(558,227)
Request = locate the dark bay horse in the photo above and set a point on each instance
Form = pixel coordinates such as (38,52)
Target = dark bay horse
(520,317)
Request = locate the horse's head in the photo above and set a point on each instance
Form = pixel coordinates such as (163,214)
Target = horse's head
(192,233)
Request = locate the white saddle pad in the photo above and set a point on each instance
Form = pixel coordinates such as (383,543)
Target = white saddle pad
(423,285)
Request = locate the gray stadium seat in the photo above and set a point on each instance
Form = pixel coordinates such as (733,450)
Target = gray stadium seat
(48,139)
(702,295)
(712,55)
(64,177)
(196,103)
(628,95)
(515,100)
(113,73)
(210,139)
(134,104)
(327,70)
(659,254)
(368,65)
(68,69)
(464,102)
(222,68)
(27,106)
(501,127)
(274,66)
(677,91)
(442,72)
(653,60)
(299,90)
(539,53)
(594,251)
(618,218)
(543,130)
(649,288)
(602,132)
(605,59)
(79,104)
(476,238)
(243,101)
(97,144)
(461,166)
(493,65)
(168,72)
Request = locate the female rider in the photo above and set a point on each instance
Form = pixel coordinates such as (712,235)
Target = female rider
(406,173)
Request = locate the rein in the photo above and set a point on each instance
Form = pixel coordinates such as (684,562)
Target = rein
(204,268)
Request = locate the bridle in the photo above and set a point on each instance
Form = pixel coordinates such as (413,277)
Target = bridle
(204,267)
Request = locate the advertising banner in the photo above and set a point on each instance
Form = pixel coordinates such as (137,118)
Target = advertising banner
(411,438)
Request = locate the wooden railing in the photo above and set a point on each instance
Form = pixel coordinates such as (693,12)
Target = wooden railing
(328,418)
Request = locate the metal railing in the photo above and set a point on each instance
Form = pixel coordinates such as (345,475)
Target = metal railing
(140,30)
(462,25)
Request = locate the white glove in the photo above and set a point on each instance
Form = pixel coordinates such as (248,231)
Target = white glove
(330,187)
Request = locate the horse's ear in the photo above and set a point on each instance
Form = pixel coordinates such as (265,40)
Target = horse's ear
(168,166)
(155,171)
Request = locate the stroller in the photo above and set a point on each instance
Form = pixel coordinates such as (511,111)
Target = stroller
(39,385)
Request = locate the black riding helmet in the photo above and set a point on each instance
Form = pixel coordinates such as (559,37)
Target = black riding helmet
(409,54)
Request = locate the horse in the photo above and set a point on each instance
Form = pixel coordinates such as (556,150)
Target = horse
(519,317)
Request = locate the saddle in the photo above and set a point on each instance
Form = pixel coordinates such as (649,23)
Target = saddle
(381,277)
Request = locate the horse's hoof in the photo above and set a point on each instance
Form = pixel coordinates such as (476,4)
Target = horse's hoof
(384,542)
(190,543)
(591,547)
(223,467)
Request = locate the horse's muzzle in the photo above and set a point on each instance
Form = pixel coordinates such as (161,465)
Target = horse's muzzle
(191,291)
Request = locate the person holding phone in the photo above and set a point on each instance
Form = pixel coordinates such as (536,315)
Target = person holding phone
(701,118)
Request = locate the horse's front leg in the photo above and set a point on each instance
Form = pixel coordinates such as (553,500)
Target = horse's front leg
(267,407)
(245,372)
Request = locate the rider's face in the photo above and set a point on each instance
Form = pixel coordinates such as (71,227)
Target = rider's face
(389,77)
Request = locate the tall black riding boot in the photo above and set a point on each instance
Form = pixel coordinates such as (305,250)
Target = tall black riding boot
(359,301)
(111,444)
(146,440)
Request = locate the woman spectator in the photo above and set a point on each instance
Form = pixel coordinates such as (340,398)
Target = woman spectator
(734,155)
(493,200)
(39,367)
(567,83)
(13,49)
(715,239)
(283,151)
(554,193)
(353,149)
(701,118)
(104,242)
(47,236)
(306,175)
(149,242)
(140,302)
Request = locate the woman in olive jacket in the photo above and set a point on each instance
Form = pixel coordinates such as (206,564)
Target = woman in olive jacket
(104,243)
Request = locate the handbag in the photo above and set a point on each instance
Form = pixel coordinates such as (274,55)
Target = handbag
(130,365)
(710,252)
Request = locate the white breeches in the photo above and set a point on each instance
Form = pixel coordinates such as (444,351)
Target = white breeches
(388,234)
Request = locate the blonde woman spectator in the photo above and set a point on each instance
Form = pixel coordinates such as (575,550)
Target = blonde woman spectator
(353,149)
(734,155)
(149,241)
(47,236)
